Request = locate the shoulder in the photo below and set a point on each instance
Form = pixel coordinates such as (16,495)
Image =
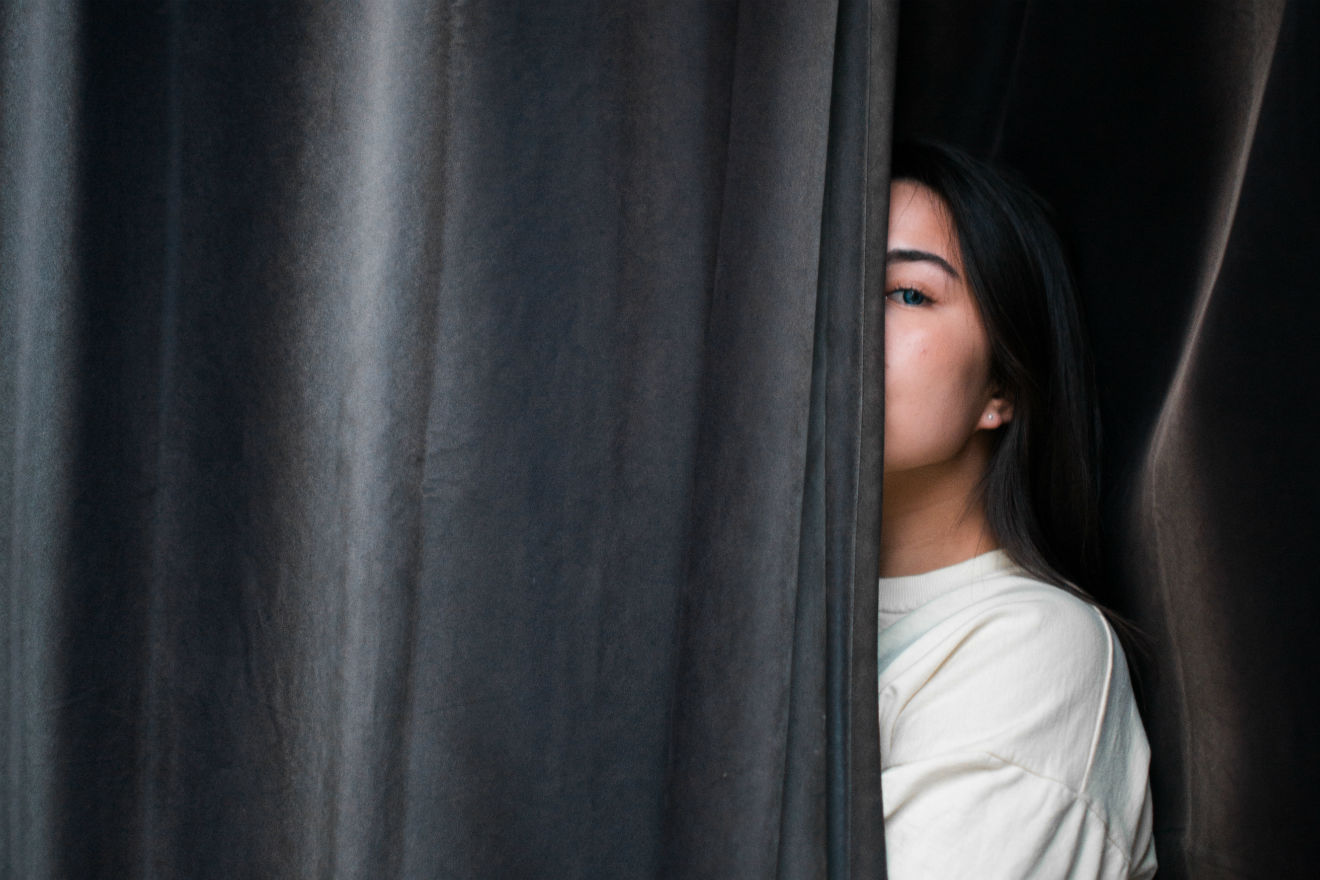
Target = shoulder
(1023,671)
(1037,639)
(1015,700)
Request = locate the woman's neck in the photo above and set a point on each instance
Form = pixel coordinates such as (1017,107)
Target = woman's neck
(934,517)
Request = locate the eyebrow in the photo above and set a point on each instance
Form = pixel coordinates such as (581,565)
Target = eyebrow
(903,255)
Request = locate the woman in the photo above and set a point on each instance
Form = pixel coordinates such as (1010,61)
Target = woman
(1010,740)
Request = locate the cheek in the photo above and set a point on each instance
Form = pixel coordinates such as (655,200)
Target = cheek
(935,385)
(924,364)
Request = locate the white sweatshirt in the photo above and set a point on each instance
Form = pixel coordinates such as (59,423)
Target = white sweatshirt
(1010,742)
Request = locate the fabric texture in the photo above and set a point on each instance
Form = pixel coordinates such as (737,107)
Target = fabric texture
(431,438)
(1011,742)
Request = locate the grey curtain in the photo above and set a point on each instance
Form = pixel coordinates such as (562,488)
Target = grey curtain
(1180,144)
(432,438)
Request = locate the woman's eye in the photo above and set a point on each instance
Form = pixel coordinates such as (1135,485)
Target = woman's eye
(909,297)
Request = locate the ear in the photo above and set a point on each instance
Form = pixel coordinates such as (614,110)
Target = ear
(997,411)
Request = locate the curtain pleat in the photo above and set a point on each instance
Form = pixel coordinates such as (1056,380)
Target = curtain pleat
(38,275)
(1226,510)
(820,696)
(433,442)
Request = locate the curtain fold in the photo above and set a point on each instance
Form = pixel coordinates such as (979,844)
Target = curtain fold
(39,58)
(1227,513)
(431,439)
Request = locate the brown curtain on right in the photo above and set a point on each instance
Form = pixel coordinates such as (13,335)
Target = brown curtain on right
(1178,142)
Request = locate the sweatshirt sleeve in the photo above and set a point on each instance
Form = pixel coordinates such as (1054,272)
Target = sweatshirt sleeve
(1014,750)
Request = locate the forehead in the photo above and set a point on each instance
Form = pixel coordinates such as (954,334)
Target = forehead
(919,220)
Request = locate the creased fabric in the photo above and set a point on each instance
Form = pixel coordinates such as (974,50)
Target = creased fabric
(431,439)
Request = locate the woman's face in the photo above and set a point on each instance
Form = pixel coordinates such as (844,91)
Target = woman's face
(938,393)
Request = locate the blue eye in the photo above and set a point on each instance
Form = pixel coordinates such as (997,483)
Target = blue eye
(909,296)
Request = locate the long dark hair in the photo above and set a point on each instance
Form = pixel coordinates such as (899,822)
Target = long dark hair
(1041,486)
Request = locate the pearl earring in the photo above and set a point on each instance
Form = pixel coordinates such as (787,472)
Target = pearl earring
(990,417)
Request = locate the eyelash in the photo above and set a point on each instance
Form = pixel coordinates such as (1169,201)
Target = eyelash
(906,288)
